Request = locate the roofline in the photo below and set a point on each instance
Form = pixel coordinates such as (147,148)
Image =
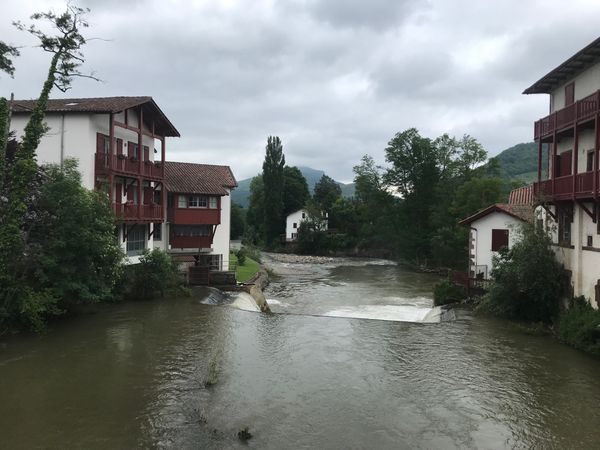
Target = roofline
(584,58)
(486,211)
(233,186)
(176,132)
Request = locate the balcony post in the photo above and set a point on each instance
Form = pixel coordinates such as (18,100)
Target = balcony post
(139,199)
(140,146)
(575,158)
(554,149)
(596,144)
(539,160)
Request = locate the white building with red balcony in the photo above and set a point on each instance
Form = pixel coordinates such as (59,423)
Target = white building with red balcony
(119,143)
(198,213)
(568,189)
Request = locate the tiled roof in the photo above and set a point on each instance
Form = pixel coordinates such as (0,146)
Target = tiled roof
(198,178)
(580,61)
(521,212)
(101,105)
(521,196)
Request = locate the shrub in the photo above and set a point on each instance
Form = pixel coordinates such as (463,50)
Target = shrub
(528,282)
(447,292)
(579,326)
(155,274)
(241,256)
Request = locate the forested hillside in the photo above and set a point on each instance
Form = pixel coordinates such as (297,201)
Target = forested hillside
(520,162)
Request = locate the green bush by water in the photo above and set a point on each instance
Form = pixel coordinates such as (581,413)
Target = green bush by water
(579,326)
(446,292)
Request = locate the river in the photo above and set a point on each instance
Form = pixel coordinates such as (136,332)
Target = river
(135,375)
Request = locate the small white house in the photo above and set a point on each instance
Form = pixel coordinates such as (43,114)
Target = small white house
(491,229)
(293,221)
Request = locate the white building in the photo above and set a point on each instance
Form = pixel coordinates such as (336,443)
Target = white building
(491,229)
(568,188)
(198,212)
(119,143)
(293,221)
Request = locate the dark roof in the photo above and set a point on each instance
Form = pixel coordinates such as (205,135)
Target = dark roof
(573,66)
(198,178)
(103,105)
(521,212)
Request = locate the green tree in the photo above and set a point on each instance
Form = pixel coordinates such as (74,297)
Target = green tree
(7,53)
(295,190)
(326,192)
(528,280)
(238,221)
(273,181)
(255,217)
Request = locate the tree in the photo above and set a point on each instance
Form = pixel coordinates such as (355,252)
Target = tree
(255,217)
(7,52)
(295,190)
(528,280)
(327,191)
(273,190)
(238,221)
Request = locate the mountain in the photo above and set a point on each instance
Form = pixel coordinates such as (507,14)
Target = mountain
(241,194)
(520,162)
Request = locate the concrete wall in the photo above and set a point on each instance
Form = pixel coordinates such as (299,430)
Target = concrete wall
(481,235)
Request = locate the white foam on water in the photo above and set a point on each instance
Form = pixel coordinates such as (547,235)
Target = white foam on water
(272,301)
(245,302)
(396,313)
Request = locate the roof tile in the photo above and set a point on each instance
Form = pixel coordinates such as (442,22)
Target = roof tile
(195,178)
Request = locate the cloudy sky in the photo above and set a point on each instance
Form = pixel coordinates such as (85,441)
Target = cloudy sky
(335,79)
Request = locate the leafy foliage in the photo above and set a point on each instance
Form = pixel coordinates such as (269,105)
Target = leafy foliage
(238,221)
(528,281)
(156,273)
(446,292)
(273,190)
(579,326)
(7,52)
(295,190)
(327,191)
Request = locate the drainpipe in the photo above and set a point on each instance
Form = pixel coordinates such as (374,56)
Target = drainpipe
(62,140)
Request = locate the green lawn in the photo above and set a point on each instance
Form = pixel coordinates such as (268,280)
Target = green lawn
(245,272)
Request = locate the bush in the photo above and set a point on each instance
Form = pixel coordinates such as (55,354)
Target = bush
(156,273)
(528,282)
(241,256)
(447,292)
(579,326)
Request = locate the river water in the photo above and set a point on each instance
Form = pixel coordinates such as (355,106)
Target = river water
(135,375)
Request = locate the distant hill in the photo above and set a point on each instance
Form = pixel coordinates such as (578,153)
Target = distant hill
(241,194)
(520,162)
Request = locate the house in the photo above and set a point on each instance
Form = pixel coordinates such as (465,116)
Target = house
(120,143)
(493,228)
(198,218)
(293,221)
(567,190)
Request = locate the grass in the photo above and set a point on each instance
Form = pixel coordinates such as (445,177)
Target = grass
(245,272)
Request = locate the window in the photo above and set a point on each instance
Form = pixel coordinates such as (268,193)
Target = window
(197,201)
(304,215)
(192,230)
(132,150)
(569,94)
(213,203)
(590,161)
(564,226)
(295,225)
(181,201)
(499,239)
(136,240)
(590,241)
(157,232)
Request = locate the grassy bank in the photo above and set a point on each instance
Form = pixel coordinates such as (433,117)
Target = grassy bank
(243,272)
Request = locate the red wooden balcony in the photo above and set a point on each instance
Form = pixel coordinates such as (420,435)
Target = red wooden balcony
(190,241)
(129,212)
(578,113)
(122,165)
(563,188)
(194,216)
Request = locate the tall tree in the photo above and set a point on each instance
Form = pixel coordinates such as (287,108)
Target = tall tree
(7,53)
(327,191)
(273,184)
(255,217)
(238,221)
(295,190)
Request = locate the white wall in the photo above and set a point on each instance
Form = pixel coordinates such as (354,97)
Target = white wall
(481,232)
(586,83)
(295,217)
(221,239)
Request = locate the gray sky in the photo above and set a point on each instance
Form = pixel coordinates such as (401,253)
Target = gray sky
(335,79)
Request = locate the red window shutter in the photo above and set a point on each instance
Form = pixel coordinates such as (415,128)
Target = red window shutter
(132,149)
(499,239)
(119,146)
(99,143)
(569,94)
(119,193)
(146,153)
(566,163)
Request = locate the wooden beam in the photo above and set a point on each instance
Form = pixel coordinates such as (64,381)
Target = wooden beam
(587,211)
(137,130)
(548,211)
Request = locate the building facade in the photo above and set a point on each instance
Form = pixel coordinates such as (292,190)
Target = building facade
(568,187)
(198,216)
(120,145)
(293,221)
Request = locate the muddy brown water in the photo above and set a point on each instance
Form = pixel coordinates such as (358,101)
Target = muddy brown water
(134,375)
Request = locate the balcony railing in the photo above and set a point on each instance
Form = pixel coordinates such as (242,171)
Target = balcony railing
(190,241)
(581,110)
(129,212)
(121,164)
(562,187)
